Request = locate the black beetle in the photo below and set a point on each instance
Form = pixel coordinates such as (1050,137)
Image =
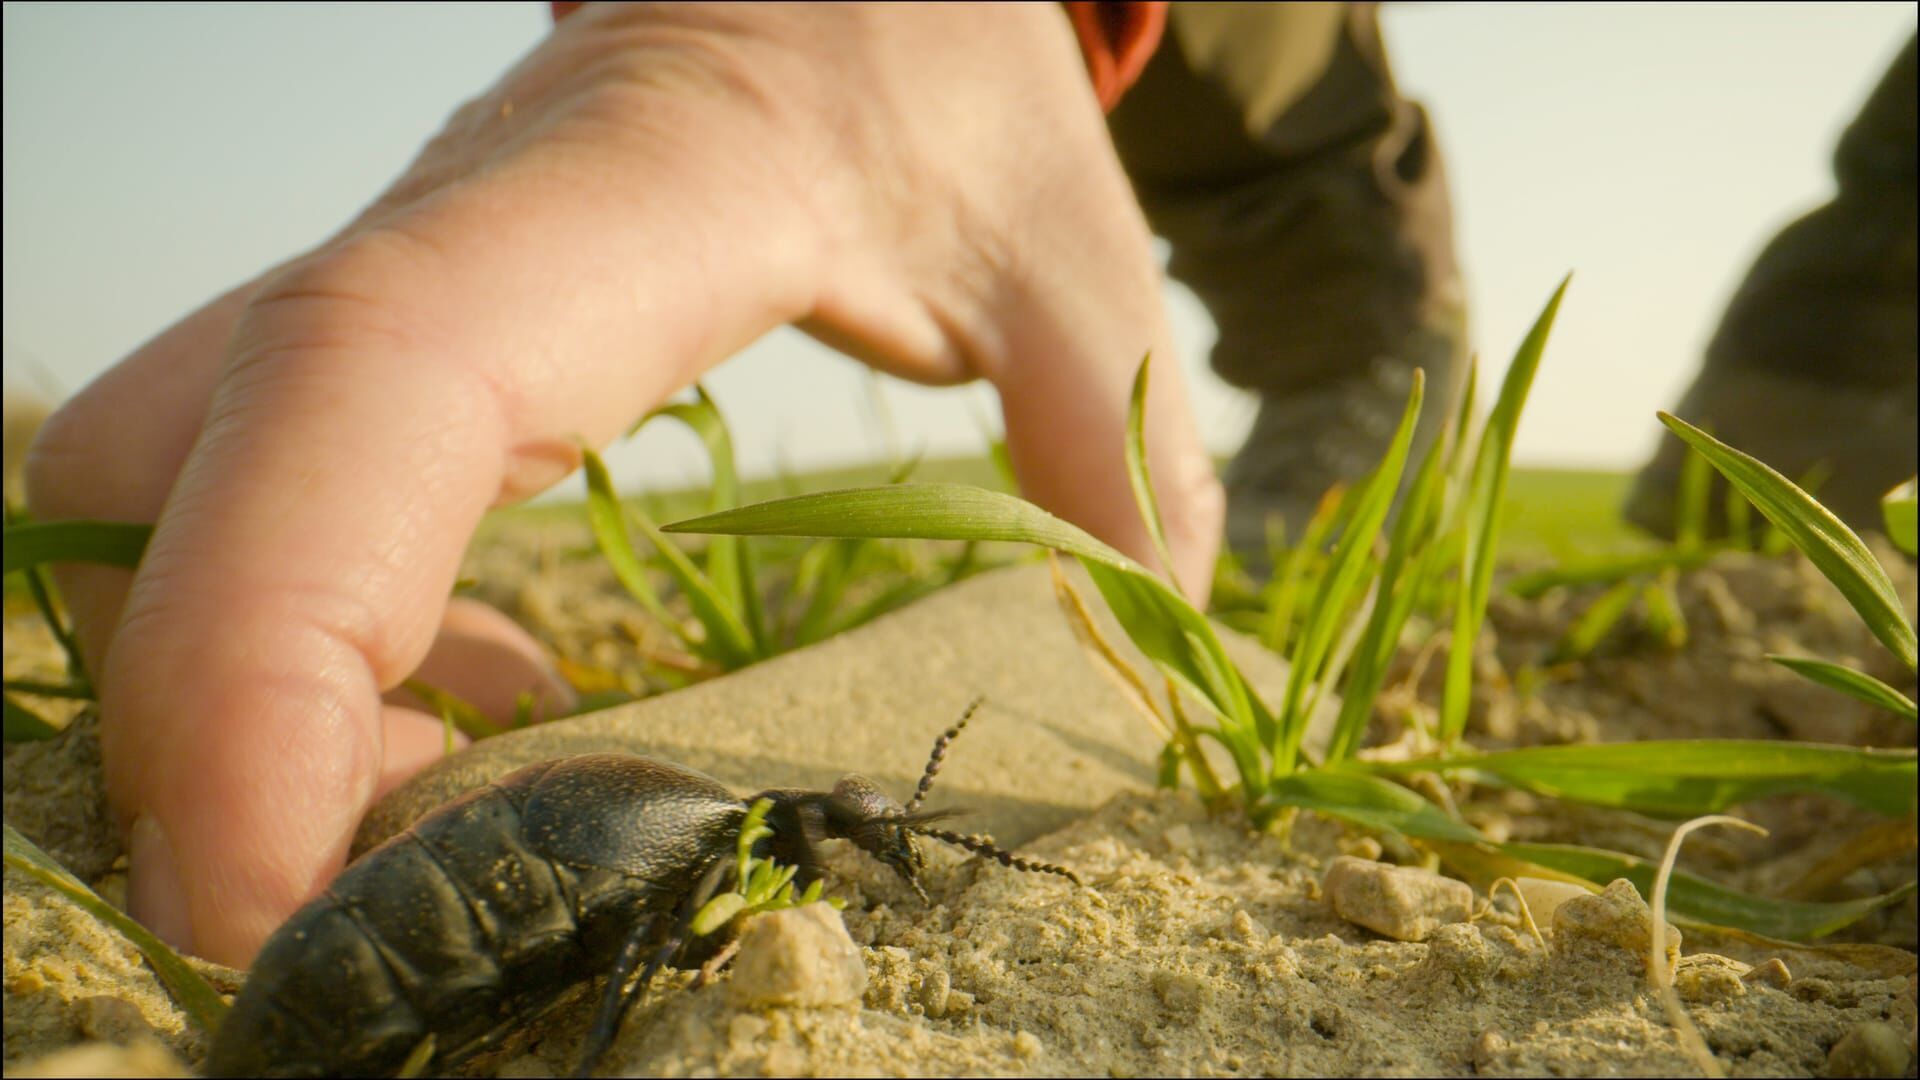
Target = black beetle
(481,916)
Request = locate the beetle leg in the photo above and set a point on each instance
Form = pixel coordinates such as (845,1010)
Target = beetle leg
(618,998)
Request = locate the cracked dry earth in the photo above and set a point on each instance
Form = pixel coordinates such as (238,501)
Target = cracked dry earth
(1200,947)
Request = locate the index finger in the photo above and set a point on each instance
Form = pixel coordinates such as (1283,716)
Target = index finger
(379,396)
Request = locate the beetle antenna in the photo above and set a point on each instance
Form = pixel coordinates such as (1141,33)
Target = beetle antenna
(984,845)
(939,755)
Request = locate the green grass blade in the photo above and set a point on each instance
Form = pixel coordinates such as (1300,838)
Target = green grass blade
(1182,644)
(1690,777)
(1345,579)
(196,997)
(1853,683)
(1293,570)
(24,725)
(1666,619)
(900,595)
(728,640)
(418,1059)
(1699,901)
(1460,455)
(1374,656)
(1819,535)
(1739,520)
(1898,511)
(1484,497)
(937,511)
(109,543)
(1365,800)
(729,562)
(1595,623)
(40,586)
(829,573)
(609,524)
(64,691)
(1607,569)
(1695,491)
(453,710)
(1137,472)
(1176,637)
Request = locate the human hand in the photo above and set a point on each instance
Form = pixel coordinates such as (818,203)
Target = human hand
(929,189)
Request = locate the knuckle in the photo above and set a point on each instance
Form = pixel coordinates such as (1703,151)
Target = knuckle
(363,290)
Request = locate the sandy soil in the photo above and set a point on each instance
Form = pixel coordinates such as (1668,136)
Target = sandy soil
(1197,947)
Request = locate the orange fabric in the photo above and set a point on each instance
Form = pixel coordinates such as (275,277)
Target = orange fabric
(1116,40)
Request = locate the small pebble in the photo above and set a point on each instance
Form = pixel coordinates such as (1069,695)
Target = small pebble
(1401,902)
(1183,993)
(1773,973)
(1488,1048)
(1616,917)
(1545,896)
(1026,1045)
(800,956)
(1248,929)
(1361,847)
(1871,1049)
(1705,979)
(934,991)
(1461,952)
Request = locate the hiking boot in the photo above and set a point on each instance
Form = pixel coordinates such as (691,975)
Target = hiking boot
(1307,441)
(1853,443)
(1813,366)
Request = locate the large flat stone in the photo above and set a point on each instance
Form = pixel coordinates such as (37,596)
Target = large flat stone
(1055,738)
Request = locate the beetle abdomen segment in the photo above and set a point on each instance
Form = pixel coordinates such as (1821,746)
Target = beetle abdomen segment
(521,913)
(321,1001)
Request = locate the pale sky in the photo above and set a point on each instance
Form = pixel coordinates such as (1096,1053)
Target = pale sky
(155,155)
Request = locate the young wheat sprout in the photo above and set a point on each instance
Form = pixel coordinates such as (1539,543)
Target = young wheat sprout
(1690,1039)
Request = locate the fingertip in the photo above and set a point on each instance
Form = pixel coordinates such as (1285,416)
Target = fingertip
(488,661)
(414,741)
(156,893)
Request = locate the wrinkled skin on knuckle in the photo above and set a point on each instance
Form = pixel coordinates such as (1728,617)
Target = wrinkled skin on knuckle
(355,291)
(320,324)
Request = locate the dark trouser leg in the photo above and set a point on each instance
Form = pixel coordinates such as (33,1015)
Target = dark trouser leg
(1307,207)
(1813,365)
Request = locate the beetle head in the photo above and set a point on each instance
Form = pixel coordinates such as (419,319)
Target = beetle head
(859,811)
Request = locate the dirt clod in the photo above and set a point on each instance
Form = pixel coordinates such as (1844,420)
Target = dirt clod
(1401,902)
(1616,917)
(801,956)
(1871,1049)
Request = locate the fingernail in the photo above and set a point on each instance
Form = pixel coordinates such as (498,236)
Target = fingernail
(155,895)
